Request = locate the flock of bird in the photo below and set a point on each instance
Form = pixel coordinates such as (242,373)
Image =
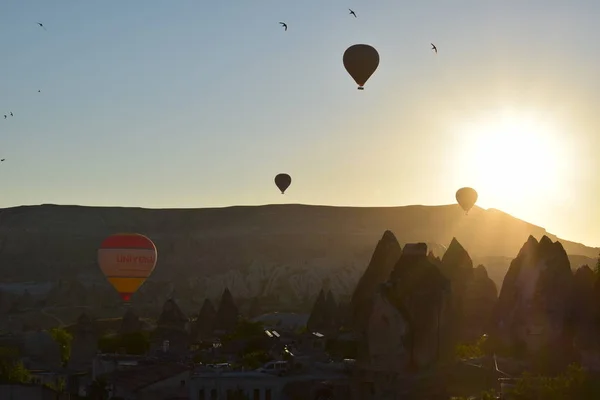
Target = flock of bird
(39,91)
(285,27)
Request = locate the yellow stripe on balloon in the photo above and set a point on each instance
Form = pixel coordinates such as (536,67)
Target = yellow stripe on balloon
(126,285)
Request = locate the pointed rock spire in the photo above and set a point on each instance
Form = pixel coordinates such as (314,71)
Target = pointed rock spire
(204,326)
(386,254)
(227,314)
(317,315)
(171,316)
(534,302)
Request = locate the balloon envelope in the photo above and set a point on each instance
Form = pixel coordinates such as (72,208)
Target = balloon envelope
(127,260)
(361,61)
(466,198)
(283,181)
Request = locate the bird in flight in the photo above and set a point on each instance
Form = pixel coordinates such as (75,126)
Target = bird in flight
(11,114)
(433,48)
(39,91)
(42,25)
(3,159)
(284,25)
(352,12)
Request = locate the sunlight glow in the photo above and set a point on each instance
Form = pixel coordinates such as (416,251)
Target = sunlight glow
(515,160)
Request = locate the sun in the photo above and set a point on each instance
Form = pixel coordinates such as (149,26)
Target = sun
(514,159)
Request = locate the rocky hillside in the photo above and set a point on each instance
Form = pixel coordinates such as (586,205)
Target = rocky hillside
(255,251)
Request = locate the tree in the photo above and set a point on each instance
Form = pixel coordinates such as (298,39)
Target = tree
(247,329)
(133,343)
(11,368)
(64,339)
(598,265)
(59,386)
(475,350)
(572,384)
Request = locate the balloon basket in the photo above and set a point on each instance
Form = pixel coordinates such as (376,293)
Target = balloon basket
(361,88)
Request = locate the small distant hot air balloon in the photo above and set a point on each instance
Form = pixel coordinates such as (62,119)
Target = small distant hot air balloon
(283,181)
(127,260)
(361,61)
(466,198)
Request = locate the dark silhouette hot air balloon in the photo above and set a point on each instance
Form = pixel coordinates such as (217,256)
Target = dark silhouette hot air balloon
(283,181)
(466,198)
(361,60)
(127,260)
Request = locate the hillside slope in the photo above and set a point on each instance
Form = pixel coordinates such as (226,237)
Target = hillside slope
(47,242)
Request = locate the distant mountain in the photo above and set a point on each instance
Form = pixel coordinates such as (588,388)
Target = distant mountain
(254,250)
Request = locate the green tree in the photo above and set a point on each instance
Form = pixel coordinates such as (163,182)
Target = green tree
(133,343)
(11,368)
(60,385)
(575,383)
(475,350)
(598,265)
(64,339)
(109,343)
(247,329)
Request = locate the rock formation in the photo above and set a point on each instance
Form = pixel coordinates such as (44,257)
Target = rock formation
(534,303)
(479,301)
(227,313)
(315,243)
(331,313)
(386,339)
(171,336)
(171,316)
(324,317)
(584,309)
(84,346)
(204,326)
(409,322)
(378,271)
(317,318)
(457,267)
(131,322)
(422,295)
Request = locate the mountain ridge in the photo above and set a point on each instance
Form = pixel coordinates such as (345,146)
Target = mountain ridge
(237,208)
(49,242)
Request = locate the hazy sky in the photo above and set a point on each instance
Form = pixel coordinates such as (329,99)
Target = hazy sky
(192,103)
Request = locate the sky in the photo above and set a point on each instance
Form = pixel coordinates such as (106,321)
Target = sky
(186,104)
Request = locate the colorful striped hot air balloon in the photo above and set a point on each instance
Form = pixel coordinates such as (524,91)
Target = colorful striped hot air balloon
(127,260)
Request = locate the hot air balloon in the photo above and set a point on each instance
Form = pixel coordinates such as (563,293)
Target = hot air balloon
(361,60)
(466,198)
(127,260)
(283,181)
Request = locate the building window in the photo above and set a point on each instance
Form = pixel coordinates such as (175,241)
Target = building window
(268,394)
(201,394)
(256,395)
